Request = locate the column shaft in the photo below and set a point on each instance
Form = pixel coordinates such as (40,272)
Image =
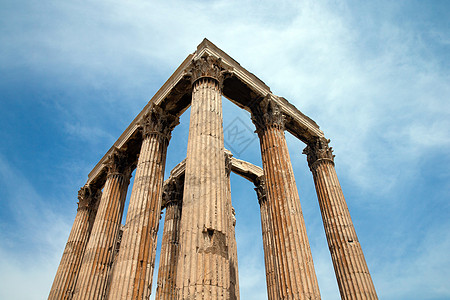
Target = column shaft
(350,266)
(203,265)
(132,278)
(66,276)
(169,253)
(91,283)
(294,267)
(267,235)
(234,274)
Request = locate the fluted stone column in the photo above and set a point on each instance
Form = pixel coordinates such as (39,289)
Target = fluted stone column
(132,277)
(351,270)
(203,265)
(267,235)
(66,276)
(294,267)
(234,274)
(172,200)
(91,283)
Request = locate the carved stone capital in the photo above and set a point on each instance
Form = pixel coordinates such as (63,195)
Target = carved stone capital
(233,216)
(172,192)
(207,66)
(318,150)
(266,113)
(88,197)
(260,188)
(118,162)
(228,164)
(157,121)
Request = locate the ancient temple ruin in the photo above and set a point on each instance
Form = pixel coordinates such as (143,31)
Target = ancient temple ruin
(198,259)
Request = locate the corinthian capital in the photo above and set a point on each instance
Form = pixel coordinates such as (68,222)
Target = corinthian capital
(118,163)
(173,192)
(260,188)
(88,197)
(267,113)
(228,164)
(318,150)
(159,122)
(207,66)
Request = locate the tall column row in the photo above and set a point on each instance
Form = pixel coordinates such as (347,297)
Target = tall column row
(133,272)
(350,267)
(85,270)
(95,265)
(199,251)
(292,259)
(66,276)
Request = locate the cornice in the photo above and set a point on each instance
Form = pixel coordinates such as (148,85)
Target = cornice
(296,123)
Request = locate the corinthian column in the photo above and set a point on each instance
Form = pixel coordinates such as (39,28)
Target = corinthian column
(296,278)
(91,282)
(172,199)
(66,276)
(234,275)
(132,277)
(267,235)
(203,265)
(349,264)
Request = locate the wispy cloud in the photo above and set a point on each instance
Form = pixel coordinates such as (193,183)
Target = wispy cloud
(374,77)
(32,237)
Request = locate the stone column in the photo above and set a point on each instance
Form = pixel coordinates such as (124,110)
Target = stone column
(132,277)
(267,235)
(351,270)
(294,267)
(172,199)
(66,276)
(203,265)
(91,283)
(234,274)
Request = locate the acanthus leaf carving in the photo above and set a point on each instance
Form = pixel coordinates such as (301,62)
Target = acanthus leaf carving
(318,150)
(228,163)
(260,188)
(88,197)
(159,122)
(233,216)
(172,192)
(118,163)
(267,113)
(208,66)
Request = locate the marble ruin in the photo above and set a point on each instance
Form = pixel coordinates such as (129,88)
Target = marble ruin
(198,258)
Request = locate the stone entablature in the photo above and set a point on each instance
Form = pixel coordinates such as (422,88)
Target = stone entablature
(104,260)
(174,97)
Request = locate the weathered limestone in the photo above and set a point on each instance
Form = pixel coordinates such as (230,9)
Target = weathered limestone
(172,200)
(91,283)
(267,235)
(66,276)
(133,272)
(203,264)
(351,270)
(199,251)
(294,267)
(234,275)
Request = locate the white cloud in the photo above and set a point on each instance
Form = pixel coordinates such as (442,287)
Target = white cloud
(371,82)
(423,275)
(32,240)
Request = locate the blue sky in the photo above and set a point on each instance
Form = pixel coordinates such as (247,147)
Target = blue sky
(375,77)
